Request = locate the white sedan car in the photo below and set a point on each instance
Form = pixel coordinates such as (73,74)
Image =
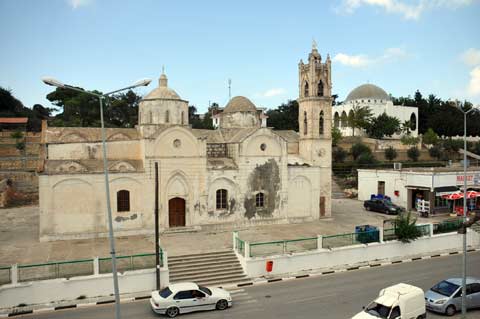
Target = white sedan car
(188,297)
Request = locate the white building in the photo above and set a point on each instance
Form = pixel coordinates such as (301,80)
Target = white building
(379,102)
(239,174)
(406,185)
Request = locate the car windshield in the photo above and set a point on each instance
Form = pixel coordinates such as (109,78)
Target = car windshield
(205,290)
(165,292)
(378,310)
(388,203)
(445,288)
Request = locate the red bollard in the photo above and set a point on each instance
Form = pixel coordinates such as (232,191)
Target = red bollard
(269,265)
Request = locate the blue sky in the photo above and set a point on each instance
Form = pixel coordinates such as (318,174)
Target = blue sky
(402,46)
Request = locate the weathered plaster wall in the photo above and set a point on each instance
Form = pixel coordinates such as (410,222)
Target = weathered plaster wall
(115,150)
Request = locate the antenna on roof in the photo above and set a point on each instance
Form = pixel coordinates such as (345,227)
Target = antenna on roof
(229,89)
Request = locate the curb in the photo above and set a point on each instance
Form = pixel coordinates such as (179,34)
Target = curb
(244,284)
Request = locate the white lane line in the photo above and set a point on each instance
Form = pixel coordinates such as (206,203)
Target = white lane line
(235,291)
(240,294)
(242,302)
(310,299)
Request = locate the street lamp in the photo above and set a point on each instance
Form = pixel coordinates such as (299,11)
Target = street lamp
(464,270)
(143,82)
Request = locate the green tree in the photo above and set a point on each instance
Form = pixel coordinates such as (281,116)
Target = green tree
(366,158)
(284,117)
(390,153)
(359,149)
(406,229)
(413,153)
(359,117)
(430,137)
(339,154)
(409,140)
(336,136)
(436,151)
(382,126)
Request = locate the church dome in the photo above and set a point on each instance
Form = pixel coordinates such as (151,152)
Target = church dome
(367,91)
(162,92)
(240,104)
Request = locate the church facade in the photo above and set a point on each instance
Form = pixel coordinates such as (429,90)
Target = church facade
(240,173)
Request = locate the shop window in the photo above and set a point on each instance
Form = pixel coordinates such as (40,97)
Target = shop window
(222,199)
(441,202)
(123,201)
(259,200)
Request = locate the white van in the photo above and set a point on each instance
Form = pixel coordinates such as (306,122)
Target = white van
(400,301)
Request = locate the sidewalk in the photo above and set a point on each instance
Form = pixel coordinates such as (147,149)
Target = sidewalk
(20,244)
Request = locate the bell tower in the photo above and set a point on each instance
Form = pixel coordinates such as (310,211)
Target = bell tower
(315,120)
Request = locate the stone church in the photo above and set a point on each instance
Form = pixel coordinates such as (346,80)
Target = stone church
(241,173)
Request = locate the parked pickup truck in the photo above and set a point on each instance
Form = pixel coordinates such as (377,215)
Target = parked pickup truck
(382,206)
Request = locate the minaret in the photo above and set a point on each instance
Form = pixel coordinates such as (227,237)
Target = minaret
(315,120)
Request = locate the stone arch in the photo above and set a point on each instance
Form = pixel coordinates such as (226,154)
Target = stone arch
(413,121)
(119,136)
(177,141)
(177,185)
(320,88)
(344,119)
(73,137)
(232,190)
(122,166)
(299,197)
(336,120)
(266,144)
(71,167)
(321,124)
(305,89)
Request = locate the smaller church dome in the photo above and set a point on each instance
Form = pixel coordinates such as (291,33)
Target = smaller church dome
(367,91)
(162,92)
(240,104)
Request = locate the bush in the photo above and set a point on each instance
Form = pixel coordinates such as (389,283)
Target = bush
(405,228)
(409,140)
(413,153)
(436,151)
(336,136)
(390,153)
(20,146)
(339,155)
(430,137)
(16,135)
(359,149)
(366,158)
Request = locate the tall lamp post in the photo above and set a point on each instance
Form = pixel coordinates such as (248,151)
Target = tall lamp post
(101,97)
(464,268)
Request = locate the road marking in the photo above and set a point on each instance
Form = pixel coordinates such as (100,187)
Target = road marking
(233,291)
(246,302)
(310,299)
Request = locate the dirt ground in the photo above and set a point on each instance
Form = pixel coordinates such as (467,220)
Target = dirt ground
(20,244)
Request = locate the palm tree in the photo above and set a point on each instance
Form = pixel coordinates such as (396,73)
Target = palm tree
(359,117)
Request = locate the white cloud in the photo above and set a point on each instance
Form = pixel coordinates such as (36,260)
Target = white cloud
(358,61)
(471,57)
(355,61)
(474,84)
(79,3)
(411,11)
(273,92)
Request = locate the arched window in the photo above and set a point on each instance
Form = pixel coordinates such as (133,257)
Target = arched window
(344,119)
(320,124)
(123,201)
(305,130)
(413,122)
(183,113)
(259,200)
(320,88)
(305,89)
(222,199)
(336,120)
(167,116)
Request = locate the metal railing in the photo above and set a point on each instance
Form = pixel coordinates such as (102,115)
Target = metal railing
(57,269)
(5,275)
(282,246)
(447,226)
(391,233)
(341,240)
(132,262)
(240,246)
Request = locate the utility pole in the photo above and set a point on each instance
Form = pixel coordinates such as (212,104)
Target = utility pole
(157,246)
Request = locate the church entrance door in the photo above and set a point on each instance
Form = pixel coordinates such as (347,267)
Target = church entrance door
(176,212)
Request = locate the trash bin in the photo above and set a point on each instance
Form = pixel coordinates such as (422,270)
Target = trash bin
(269,265)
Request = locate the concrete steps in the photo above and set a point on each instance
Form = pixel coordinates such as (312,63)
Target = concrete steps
(213,268)
(337,191)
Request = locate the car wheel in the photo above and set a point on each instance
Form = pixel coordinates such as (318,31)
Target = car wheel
(451,310)
(172,312)
(222,304)
(367,208)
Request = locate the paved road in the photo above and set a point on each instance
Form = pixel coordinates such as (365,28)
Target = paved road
(330,297)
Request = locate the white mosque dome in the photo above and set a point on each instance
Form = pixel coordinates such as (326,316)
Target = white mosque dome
(368,91)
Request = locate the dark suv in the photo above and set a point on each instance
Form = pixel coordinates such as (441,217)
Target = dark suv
(382,206)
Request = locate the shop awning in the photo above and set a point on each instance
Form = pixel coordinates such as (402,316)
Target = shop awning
(458,195)
(445,190)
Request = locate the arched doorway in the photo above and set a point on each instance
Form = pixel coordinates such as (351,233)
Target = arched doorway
(176,212)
